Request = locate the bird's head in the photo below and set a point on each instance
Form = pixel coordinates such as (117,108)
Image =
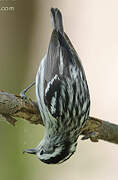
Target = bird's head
(53,154)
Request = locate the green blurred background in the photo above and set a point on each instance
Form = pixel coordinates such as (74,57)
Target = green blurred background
(24,36)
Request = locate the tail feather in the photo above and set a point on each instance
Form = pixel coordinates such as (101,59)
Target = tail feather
(57,19)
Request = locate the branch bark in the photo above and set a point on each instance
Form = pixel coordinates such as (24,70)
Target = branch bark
(13,106)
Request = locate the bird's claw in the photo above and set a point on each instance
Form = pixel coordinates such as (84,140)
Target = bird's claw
(22,94)
(92,136)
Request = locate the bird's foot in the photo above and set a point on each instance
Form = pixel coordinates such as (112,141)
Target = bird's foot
(93,136)
(23,95)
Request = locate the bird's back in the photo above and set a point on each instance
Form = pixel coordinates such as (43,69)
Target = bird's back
(65,91)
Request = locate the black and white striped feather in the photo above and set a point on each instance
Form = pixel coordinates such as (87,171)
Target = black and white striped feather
(62,95)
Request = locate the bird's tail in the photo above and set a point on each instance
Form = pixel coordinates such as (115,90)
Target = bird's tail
(57,19)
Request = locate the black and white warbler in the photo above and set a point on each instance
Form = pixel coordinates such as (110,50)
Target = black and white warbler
(62,95)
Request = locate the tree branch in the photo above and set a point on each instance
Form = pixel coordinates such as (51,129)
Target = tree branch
(13,106)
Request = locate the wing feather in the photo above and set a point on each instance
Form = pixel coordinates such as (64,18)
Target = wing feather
(60,83)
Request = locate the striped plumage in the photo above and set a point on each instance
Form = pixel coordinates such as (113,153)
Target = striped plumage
(62,95)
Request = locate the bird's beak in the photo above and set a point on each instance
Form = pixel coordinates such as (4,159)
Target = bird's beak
(30,151)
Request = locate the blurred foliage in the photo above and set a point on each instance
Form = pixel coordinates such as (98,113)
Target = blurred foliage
(15,35)
(24,37)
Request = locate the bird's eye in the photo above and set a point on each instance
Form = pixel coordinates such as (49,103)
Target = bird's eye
(41,152)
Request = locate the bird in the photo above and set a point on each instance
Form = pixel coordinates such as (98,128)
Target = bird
(62,95)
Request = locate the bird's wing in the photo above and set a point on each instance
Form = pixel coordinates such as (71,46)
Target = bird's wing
(61,85)
(56,68)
